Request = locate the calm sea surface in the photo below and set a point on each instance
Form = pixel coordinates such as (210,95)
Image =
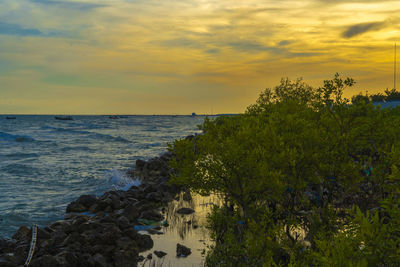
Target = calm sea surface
(47,163)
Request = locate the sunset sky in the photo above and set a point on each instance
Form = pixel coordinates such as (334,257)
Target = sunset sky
(178,57)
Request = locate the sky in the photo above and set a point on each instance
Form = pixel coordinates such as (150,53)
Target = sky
(179,57)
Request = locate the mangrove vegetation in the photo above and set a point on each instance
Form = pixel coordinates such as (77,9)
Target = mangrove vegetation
(307,178)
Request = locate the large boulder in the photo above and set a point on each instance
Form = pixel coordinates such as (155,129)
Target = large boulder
(87,200)
(23,234)
(144,242)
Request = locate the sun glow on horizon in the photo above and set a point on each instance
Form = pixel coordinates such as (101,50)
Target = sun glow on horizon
(176,57)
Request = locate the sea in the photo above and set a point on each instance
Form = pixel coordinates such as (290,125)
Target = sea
(46,163)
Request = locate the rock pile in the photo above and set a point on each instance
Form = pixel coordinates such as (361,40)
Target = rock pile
(99,231)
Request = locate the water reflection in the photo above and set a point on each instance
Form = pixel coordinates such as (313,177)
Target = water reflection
(189,230)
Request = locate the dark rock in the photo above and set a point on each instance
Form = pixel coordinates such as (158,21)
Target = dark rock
(185,211)
(59,225)
(23,234)
(135,193)
(151,215)
(154,196)
(46,260)
(149,189)
(140,258)
(140,164)
(76,207)
(182,251)
(110,235)
(94,208)
(123,222)
(144,242)
(149,256)
(116,202)
(131,212)
(6,263)
(123,242)
(58,237)
(42,234)
(70,258)
(87,200)
(126,257)
(98,260)
(159,253)
(130,232)
(79,220)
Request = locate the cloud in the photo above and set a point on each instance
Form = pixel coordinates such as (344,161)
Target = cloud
(15,29)
(213,51)
(361,28)
(284,42)
(82,6)
(181,42)
(246,46)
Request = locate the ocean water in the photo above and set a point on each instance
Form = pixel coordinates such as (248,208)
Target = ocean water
(47,163)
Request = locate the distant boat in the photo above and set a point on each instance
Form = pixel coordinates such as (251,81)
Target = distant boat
(64,118)
(10,118)
(194,114)
(114,117)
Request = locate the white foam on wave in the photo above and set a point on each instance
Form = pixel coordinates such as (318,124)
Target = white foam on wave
(121,181)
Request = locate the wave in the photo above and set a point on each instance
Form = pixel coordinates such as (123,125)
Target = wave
(21,155)
(77,148)
(88,133)
(120,180)
(16,138)
(24,170)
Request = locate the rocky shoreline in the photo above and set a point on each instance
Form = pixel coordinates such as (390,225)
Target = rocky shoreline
(102,231)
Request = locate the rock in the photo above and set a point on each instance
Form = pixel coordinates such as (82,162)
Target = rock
(76,207)
(23,234)
(94,208)
(46,260)
(5,263)
(151,215)
(87,200)
(140,164)
(131,212)
(140,258)
(116,202)
(130,232)
(185,211)
(144,242)
(58,237)
(42,234)
(123,242)
(182,251)
(154,196)
(110,235)
(123,222)
(126,258)
(149,256)
(99,260)
(159,253)
(70,259)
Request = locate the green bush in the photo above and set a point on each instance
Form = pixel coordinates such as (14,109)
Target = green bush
(307,179)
